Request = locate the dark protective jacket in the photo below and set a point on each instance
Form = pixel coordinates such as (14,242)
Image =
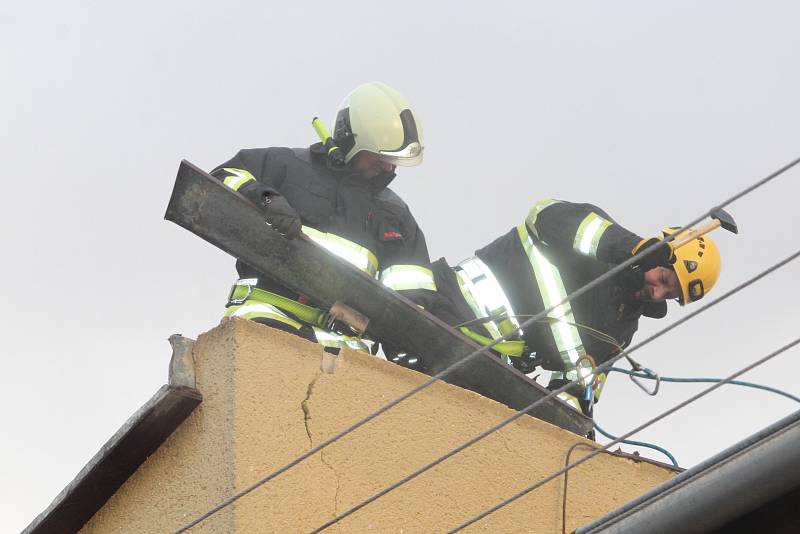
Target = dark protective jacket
(338,207)
(561,247)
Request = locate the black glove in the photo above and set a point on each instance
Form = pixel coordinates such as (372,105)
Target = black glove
(663,256)
(280,215)
(277,211)
(631,280)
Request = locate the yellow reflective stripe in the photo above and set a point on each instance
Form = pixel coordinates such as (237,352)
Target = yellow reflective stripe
(400,277)
(259,310)
(245,289)
(536,210)
(464,283)
(510,348)
(239,178)
(478,280)
(598,389)
(589,233)
(352,253)
(571,400)
(551,287)
(335,340)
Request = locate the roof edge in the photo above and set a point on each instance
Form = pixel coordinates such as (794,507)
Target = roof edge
(121,456)
(710,494)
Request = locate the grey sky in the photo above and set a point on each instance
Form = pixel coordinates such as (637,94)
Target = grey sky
(654,111)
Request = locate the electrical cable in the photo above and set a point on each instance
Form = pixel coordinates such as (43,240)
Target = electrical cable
(566,482)
(555,392)
(577,293)
(644,425)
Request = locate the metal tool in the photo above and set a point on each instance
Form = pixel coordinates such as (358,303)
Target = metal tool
(719,217)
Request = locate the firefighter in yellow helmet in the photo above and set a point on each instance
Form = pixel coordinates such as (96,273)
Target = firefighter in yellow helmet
(561,247)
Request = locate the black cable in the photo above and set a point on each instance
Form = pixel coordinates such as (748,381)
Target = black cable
(555,392)
(577,293)
(566,482)
(624,436)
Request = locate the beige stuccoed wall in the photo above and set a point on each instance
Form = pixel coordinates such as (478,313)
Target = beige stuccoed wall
(266,400)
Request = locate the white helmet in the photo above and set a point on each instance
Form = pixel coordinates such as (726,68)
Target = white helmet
(376,118)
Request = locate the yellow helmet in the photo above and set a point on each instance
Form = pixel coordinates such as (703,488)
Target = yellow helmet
(697,264)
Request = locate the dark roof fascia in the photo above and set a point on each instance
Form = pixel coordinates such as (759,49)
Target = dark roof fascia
(128,448)
(728,485)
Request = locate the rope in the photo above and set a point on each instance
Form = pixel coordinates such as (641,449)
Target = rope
(662,450)
(580,291)
(553,393)
(706,381)
(625,436)
(635,443)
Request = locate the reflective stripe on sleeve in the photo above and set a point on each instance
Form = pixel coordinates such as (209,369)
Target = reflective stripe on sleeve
(401,277)
(536,210)
(589,233)
(551,287)
(484,294)
(238,179)
(352,253)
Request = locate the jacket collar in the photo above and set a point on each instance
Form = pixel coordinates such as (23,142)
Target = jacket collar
(375,184)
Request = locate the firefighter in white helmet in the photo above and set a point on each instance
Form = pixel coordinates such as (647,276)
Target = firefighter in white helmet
(336,192)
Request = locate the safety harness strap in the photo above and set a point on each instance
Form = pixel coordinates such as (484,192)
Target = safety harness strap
(245,290)
(509,348)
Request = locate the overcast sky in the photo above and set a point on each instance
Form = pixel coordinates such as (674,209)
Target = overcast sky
(653,111)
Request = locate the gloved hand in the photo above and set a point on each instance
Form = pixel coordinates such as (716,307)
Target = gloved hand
(279,214)
(631,280)
(663,256)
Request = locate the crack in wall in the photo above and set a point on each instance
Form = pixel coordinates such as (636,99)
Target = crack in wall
(505,442)
(306,410)
(306,417)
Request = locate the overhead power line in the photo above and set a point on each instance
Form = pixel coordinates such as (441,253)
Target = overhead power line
(644,425)
(520,413)
(578,292)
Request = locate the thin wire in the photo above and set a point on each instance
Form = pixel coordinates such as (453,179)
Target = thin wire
(555,392)
(580,291)
(566,481)
(644,425)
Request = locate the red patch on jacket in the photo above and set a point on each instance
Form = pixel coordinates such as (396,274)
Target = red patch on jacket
(392,235)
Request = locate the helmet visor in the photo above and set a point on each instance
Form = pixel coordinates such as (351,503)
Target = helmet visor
(408,156)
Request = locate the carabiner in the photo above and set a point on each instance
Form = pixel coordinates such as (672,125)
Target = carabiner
(652,376)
